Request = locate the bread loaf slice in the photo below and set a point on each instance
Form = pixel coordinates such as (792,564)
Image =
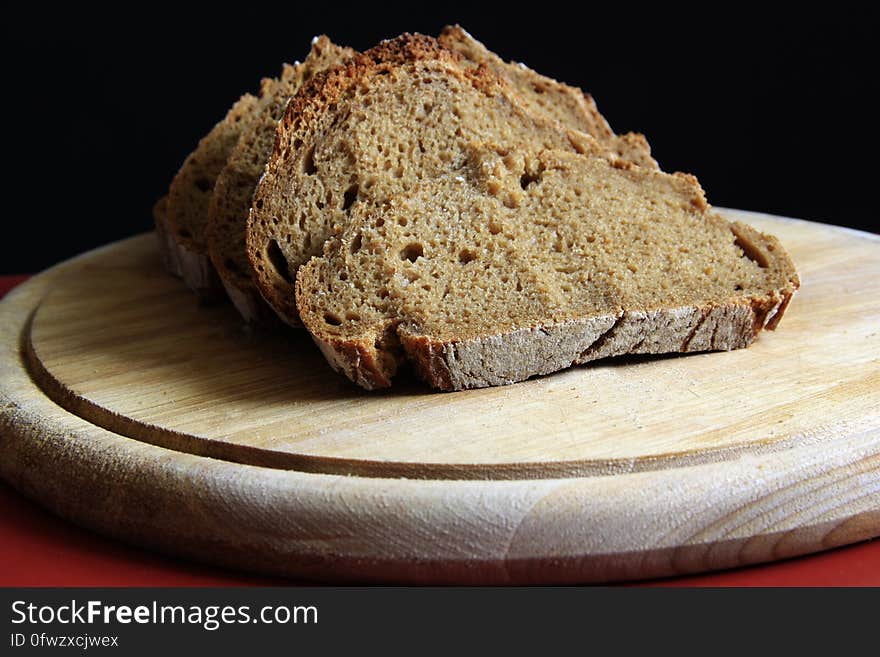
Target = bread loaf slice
(190,192)
(402,112)
(234,189)
(570,106)
(523,263)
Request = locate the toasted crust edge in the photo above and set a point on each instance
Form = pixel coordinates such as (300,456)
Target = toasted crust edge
(510,357)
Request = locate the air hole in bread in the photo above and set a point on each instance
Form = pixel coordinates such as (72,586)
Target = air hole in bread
(355,245)
(259,204)
(278,261)
(412,252)
(332,319)
(527,179)
(466,255)
(352,317)
(308,162)
(204,184)
(350,197)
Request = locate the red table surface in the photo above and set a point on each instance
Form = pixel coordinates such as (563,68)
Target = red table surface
(38,548)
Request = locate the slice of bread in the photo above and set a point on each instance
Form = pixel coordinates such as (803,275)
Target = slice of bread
(523,263)
(401,112)
(234,189)
(186,210)
(570,106)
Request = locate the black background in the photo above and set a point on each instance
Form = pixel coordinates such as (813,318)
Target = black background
(773,110)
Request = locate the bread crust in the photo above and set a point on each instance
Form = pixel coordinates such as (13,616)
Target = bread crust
(506,358)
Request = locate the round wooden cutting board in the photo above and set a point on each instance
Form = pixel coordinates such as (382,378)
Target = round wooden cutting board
(129,408)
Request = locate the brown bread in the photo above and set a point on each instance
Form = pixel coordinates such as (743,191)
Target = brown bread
(523,263)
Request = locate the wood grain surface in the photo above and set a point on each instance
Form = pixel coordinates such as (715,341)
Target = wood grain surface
(136,411)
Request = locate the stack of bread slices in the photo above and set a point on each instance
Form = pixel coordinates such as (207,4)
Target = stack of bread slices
(426,203)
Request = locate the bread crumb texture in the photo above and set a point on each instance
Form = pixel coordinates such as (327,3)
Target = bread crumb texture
(522,264)
(405,111)
(447,224)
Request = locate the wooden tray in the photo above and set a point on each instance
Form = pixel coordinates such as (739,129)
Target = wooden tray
(128,408)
